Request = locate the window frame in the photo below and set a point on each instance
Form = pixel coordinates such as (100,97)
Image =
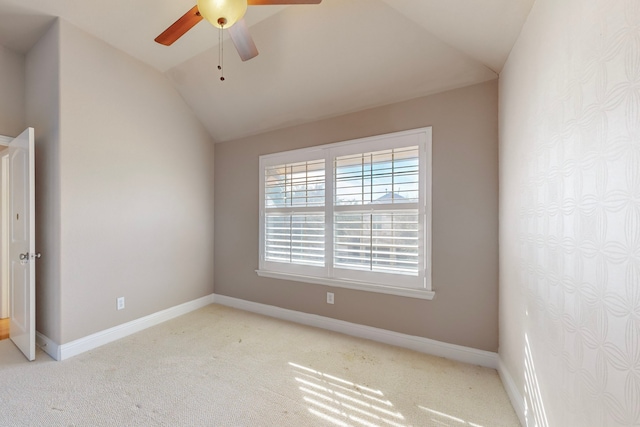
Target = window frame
(412,286)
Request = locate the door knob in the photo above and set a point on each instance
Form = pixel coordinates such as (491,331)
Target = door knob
(24,256)
(36,255)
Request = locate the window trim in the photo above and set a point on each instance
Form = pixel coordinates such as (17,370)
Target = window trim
(350,284)
(374,143)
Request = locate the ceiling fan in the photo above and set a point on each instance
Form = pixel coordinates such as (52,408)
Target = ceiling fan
(224,14)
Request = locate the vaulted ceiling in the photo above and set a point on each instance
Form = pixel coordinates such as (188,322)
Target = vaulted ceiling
(316,61)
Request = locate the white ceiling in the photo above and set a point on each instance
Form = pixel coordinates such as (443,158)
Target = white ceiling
(315,61)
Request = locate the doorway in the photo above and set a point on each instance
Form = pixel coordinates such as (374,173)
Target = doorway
(5,295)
(18,240)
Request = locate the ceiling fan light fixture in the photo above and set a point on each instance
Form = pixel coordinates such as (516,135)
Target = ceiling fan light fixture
(222,13)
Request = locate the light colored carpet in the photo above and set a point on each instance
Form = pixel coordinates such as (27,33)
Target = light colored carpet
(220,366)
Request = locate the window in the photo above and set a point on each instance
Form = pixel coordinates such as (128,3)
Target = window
(354,214)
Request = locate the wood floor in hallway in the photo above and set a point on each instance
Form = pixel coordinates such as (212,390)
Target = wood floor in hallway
(4,328)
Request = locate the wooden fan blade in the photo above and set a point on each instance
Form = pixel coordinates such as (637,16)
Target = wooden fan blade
(272,2)
(241,38)
(180,27)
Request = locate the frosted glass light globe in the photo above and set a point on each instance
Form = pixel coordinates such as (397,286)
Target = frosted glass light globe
(222,13)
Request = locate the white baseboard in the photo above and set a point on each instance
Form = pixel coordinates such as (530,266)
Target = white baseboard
(73,348)
(424,345)
(517,400)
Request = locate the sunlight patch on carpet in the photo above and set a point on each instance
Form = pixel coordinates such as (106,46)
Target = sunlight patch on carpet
(344,403)
(446,419)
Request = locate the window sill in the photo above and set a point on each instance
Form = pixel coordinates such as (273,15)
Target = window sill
(348,284)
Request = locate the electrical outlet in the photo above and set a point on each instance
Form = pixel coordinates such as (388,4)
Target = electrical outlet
(120,303)
(329,297)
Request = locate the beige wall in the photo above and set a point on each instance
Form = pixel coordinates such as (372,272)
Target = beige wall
(42,99)
(12,98)
(130,207)
(465,203)
(570,213)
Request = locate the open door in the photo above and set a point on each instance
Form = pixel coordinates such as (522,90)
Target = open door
(22,255)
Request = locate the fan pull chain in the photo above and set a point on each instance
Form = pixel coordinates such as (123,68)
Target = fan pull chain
(220,54)
(221,21)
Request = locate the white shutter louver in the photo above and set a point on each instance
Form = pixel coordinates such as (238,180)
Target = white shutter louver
(385,242)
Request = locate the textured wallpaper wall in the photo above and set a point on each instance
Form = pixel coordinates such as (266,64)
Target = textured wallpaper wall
(570,213)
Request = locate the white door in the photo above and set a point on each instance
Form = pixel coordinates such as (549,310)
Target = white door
(22,255)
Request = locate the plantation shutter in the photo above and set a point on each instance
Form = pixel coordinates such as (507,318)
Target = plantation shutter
(376,211)
(294,213)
